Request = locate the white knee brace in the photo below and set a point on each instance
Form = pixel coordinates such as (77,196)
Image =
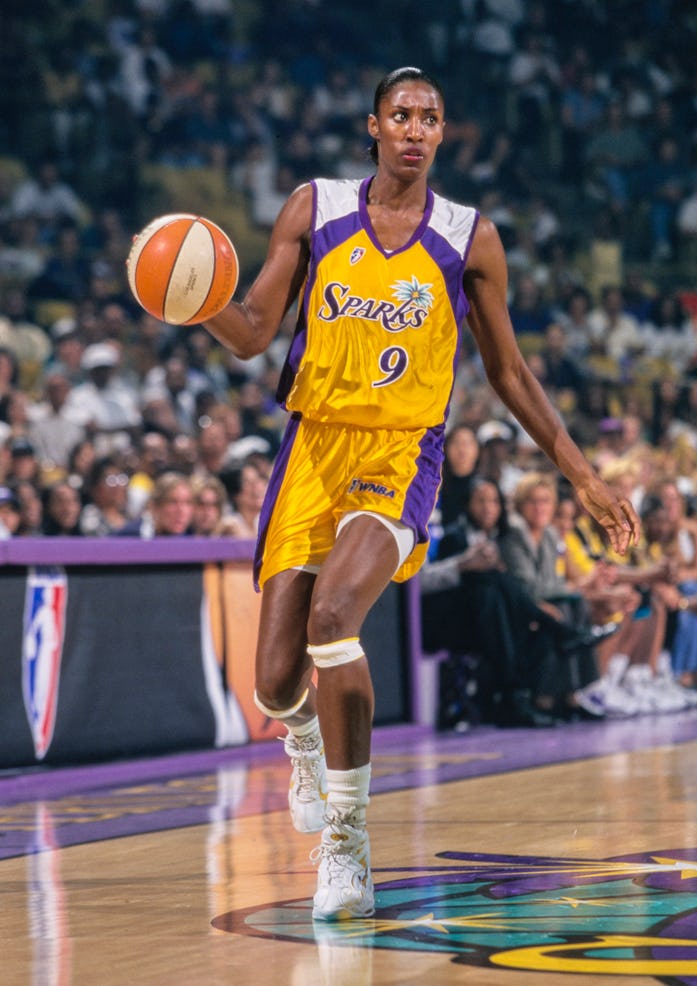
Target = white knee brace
(336,653)
(282,713)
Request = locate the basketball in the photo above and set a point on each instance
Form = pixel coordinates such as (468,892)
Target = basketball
(183,269)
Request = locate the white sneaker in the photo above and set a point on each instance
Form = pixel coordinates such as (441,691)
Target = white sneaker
(307,793)
(676,696)
(607,696)
(638,681)
(344,881)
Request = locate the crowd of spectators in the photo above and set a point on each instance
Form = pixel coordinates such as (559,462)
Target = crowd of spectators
(571,123)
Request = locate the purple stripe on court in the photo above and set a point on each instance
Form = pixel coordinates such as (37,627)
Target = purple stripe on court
(48,808)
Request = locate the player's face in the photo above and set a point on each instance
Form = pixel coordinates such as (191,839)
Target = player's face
(408,128)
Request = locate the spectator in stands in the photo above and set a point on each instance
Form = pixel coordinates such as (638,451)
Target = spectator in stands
(170,382)
(461,452)
(562,373)
(61,510)
(530,552)
(245,486)
(614,155)
(67,350)
(152,460)
(30,508)
(529,313)
(669,335)
(170,510)
(613,331)
(106,405)
(662,184)
(106,492)
(53,432)
(9,513)
(680,543)
(45,197)
(210,506)
(23,336)
(686,222)
(471,605)
(212,449)
(496,442)
(24,464)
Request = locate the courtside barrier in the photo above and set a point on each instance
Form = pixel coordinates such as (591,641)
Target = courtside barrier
(114,647)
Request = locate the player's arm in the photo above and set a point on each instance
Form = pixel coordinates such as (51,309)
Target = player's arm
(486,284)
(247,327)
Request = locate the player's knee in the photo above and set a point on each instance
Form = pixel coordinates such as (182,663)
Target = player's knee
(331,616)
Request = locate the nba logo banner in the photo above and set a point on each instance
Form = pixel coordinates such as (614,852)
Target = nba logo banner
(42,648)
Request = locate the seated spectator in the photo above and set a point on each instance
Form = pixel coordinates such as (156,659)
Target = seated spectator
(9,378)
(170,510)
(613,331)
(678,539)
(461,450)
(686,223)
(47,198)
(61,510)
(530,551)
(246,487)
(152,460)
(106,405)
(10,513)
(106,491)
(53,432)
(210,505)
(621,594)
(471,605)
(668,334)
(496,441)
(23,337)
(529,313)
(31,508)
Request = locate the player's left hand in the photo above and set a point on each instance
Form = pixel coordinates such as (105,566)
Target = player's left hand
(616,515)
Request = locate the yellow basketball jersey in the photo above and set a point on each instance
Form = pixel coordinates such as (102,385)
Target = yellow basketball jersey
(378,332)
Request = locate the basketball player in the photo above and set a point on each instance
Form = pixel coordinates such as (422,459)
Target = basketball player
(386,272)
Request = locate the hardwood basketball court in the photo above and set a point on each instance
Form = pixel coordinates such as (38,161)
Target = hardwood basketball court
(499,856)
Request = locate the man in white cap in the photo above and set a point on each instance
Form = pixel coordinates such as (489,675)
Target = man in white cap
(106,405)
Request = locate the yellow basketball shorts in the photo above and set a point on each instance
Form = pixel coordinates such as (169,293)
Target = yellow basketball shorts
(323,471)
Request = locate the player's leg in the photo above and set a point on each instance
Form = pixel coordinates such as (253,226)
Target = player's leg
(285,692)
(366,555)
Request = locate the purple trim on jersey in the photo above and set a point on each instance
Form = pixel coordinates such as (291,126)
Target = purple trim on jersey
(277,476)
(322,241)
(452,267)
(368,226)
(423,490)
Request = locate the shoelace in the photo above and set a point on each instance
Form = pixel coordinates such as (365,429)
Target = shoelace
(305,756)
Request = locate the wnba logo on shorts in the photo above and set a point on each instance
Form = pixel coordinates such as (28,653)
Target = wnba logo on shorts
(42,648)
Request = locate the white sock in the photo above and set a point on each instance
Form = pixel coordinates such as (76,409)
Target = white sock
(347,793)
(309,728)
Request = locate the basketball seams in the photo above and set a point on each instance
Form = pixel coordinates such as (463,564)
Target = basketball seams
(183,275)
(183,302)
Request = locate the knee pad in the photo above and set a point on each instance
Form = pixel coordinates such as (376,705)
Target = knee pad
(336,653)
(281,713)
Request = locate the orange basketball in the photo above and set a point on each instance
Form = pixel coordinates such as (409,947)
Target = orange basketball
(183,269)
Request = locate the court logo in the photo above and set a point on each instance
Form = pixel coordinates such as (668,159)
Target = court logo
(630,915)
(42,649)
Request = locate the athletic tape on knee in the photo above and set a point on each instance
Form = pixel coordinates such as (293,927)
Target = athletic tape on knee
(336,653)
(281,713)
